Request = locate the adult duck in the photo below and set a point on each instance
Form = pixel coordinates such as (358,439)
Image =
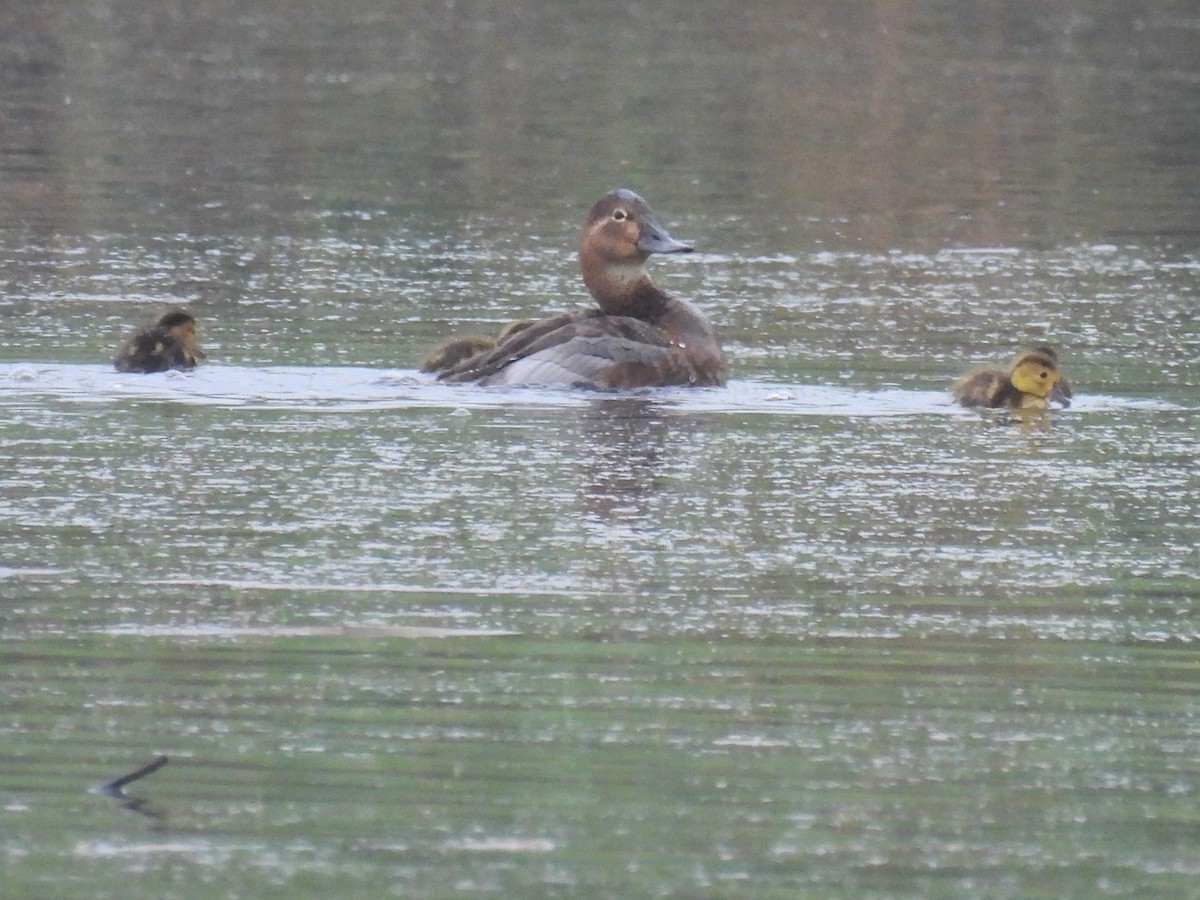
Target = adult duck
(640,336)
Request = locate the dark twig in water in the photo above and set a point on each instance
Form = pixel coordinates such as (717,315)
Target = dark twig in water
(116,787)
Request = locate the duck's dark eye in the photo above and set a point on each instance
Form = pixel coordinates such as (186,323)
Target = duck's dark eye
(620,215)
(1043,374)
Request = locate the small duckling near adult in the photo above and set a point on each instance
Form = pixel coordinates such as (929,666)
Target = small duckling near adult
(170,343)
(1031,382)
(453,352)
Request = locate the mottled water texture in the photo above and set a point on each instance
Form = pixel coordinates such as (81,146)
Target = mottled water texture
(818,633)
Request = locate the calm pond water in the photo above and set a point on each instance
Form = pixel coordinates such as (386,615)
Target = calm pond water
(818,633)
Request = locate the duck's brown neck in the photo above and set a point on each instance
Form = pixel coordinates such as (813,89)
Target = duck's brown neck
(626,292)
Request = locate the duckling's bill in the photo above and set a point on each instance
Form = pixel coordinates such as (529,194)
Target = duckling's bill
(1059,395)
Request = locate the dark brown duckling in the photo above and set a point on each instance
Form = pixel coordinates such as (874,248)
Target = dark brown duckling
(170,343)
(453,352)
(640,336)
(1030,382)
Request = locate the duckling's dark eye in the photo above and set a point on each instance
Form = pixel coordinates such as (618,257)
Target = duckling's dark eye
(620,215)
(1043,374)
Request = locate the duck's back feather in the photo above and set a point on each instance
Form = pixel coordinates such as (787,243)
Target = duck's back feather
(153,350)
(598,361)
(983,387)
(588,349)
(537,336)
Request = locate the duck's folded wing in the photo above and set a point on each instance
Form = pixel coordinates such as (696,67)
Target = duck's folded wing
(586,349)
(146,351)
(515,346)
(602,361)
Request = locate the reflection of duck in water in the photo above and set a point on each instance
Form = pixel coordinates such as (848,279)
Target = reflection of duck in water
(640,336)
(452,353)
(1030,382)
(626,441)
(170,343)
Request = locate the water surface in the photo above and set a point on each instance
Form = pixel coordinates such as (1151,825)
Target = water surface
(817,633)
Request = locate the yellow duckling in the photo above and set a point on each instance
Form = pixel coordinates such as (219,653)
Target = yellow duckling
(453,352)
(170,343)
(1031,382)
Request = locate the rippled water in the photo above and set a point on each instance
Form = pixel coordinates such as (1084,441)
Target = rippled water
(411,637)
(817,633)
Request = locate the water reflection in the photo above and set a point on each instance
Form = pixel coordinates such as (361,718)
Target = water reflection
(624,443)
